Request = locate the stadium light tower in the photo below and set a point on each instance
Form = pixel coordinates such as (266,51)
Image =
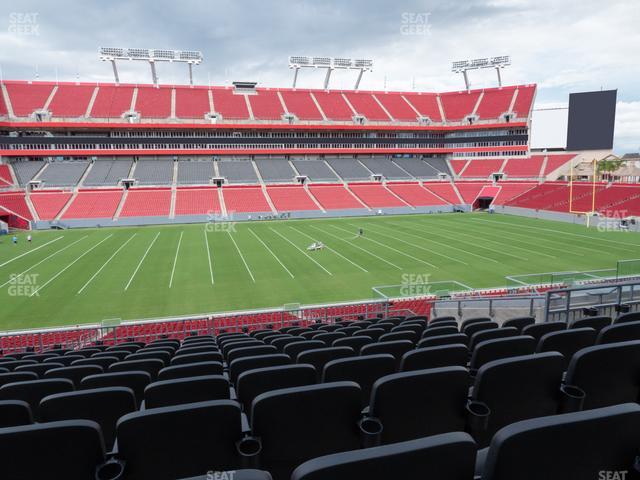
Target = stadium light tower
(152,56)
(330,63)
(463,66)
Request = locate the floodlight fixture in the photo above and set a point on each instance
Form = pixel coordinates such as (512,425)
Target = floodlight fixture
(463,66)
(330,63)
(111,54)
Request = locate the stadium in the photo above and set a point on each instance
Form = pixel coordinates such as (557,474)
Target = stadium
(234,280)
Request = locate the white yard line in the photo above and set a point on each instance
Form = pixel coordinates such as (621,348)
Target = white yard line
(106,263)
(30,251)
(12,279)
(206,240)
(445,245)
(271,252)
(391,248)
(417,246)
(175,260)
(300,250)
(242,257)
(37,291)
(358,247)
(141,260)
(589,237)
(332,250)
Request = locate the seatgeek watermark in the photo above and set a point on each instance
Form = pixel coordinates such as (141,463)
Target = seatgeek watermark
(24,23)
(211,475)
(415,284)
(218,222)
(613,221)
(415,23)
(23,285)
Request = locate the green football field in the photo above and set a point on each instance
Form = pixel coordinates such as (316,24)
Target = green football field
(89,275)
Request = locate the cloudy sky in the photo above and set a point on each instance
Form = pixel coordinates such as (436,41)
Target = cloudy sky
(562,45)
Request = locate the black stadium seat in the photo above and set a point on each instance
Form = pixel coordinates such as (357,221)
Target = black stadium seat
(396,348)
(537,330)
(297,424)
(618,332)
(33,391)
(151,366)
(186,390)
(250,352)
(181,359)
(628,317)
(14,413)
(254,382)
(177,442)
(74,373)
(469,330)
(319,357)
(101,405)
(438,331)
(355,342)
(241,365)
(514,389)
(20,376)
(519,323)
(452,339)
(136,381)
(597,323)
(435,357)
(69,449)
(594,444)
(294,348)
(567,342)
(450,456)
(39,368)
(417,404)
(163,356)
(190,370)
(363,370)
(607,374)
(491,334)
(490,350)
(329,338)
(103,362)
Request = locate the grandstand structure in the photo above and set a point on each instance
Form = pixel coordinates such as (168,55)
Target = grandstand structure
(78,154)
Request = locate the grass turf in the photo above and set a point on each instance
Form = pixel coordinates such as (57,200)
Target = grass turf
(88,275)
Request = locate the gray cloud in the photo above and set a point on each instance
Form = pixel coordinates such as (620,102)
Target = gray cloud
(563,46)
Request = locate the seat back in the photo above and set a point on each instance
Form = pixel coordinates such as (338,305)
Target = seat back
(190,370)
(183,358)
(491,334)
(581,445)
(151,366)
(567,342)
(396,348)
(517,388)
(319,357)
(67,449)
(608,374)
(618,332)
(244,364)
(452,339)
(135,380)
(32,391)
(14,413)
(294,348)
(597,323)
(438,331)
(297,424)
(74,373)
(519,323)
(490,350)
(165,393)
(356,342)
(254,382)
(363,370)
(537,330)
(450,456)
(435,357)
(101,405)
(202,435)
(417,404)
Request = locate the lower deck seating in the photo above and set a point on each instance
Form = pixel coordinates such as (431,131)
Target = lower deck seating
(334,197)
(509,191)
(245,200)
(48,205)
(94,204)
(469,190)
(376,195)
(15,202)
(197,201)
(444,190)
(415,195)
(481,168)
(143,202)
(5,176)
(291,198)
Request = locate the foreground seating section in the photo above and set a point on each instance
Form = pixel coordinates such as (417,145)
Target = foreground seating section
(32,391)
(515,389)
(591,371)
(417,404)
(577,445)
(101,405)
(150,441)
(450,456)
(291,436)
(68,449)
